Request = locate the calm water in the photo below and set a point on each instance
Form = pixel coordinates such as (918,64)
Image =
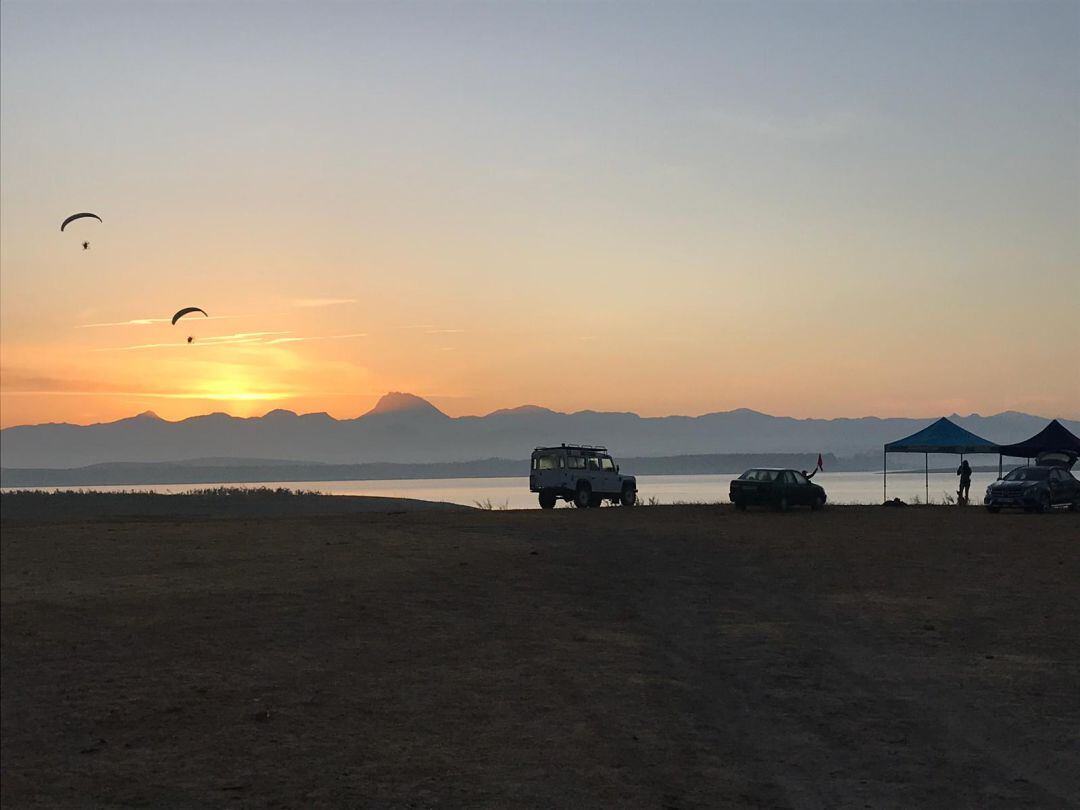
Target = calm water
(513,493)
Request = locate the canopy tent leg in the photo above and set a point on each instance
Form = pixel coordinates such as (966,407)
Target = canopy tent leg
(885,476)
(926,469)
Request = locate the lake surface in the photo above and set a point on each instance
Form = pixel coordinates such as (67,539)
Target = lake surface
(513,493)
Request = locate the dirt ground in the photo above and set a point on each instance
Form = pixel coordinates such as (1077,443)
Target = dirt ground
(651,657)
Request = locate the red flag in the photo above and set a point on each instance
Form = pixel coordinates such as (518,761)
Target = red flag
(819,464)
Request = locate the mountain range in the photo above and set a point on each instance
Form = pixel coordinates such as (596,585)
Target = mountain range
(406,429)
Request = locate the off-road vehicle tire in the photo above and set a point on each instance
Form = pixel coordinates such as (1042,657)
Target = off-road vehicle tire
(583,496)
(628,497)
(547,499)
(595,501)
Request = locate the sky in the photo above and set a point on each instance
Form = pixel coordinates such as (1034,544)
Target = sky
(809,209)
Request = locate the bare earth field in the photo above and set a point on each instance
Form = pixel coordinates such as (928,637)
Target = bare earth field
(651,657)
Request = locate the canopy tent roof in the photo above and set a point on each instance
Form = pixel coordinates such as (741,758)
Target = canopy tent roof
(1053,437)
(942,437)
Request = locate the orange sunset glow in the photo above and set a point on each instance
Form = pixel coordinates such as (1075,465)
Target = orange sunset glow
(651,237)
(540,404)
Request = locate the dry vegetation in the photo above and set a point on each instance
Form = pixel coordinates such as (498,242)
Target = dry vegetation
(664,657)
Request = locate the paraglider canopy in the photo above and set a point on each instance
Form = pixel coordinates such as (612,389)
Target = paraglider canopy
(186,311)
(74,217)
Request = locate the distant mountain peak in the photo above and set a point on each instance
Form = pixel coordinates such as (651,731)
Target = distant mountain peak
(398,402)
(522,409)
(148,416)
(279,413)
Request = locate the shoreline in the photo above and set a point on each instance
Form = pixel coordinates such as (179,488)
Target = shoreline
(25,479)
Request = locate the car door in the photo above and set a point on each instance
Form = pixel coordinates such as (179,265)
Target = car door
(784,483)
(1058,487)
(609,479)
(771,486)
(593,474)
(802,491)
(785,487)
(1072,485)
(575,468)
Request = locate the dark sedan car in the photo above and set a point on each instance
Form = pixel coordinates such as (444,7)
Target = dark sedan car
(778,488)
(1034,489)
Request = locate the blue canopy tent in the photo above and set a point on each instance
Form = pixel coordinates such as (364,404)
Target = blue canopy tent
(943,436)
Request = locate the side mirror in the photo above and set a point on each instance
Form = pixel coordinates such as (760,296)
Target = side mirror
(616,468)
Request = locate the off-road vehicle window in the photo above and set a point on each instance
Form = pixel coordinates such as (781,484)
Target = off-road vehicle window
(575,463)
(607,464)
(547,462)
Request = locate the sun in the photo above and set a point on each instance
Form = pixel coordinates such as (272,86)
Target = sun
(241,392)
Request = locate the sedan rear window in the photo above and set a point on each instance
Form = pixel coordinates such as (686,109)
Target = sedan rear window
(759,475)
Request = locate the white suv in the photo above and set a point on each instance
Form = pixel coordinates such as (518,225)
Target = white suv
(584,474)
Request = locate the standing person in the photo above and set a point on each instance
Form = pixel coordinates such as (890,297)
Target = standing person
(964,471)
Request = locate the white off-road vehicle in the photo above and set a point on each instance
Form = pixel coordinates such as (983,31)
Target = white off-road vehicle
(583,474)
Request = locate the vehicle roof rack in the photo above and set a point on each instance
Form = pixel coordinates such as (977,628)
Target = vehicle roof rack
(564,445)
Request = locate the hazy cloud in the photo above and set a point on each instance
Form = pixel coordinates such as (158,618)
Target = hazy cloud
(17,381)
(20,383)
(240,338)
(225,396)
(146,322)
(315,337)
(134,322)
(213,340)
(322,302)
